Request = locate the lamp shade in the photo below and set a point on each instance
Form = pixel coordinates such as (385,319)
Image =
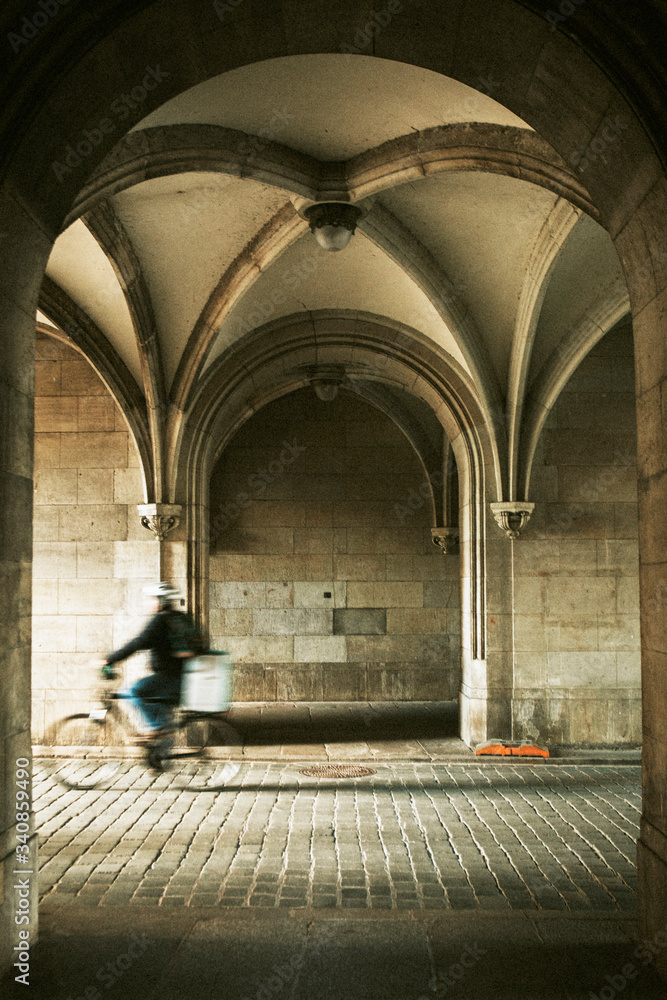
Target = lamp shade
(333,223)
(325,390)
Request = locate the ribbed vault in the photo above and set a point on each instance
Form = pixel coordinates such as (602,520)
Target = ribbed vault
(466,222)
(396,369)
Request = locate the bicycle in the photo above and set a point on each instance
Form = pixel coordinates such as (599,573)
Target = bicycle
(190,736)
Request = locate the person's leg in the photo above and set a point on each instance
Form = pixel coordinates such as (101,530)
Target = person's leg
(154,695)
(171,693)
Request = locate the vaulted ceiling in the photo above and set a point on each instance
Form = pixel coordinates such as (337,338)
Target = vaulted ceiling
(474,234)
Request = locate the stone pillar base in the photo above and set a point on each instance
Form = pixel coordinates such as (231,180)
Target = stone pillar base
(472,719)
(482,718)
(652,876)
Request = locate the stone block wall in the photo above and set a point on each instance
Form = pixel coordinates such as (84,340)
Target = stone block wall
(91,555)
(324,585)
(576,590)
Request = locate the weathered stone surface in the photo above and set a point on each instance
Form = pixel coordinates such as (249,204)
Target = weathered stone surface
(319,648)
(304,621)
(359,621)
(85,571)
(352,559)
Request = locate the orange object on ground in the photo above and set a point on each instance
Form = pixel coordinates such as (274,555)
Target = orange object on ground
(505,748)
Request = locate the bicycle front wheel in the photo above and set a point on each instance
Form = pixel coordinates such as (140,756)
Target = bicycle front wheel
(86,767)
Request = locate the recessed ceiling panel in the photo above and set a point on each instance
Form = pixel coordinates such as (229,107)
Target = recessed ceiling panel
(187,229)
(332,106)
(306,278)
(586,269)
(81,268)
(481,228)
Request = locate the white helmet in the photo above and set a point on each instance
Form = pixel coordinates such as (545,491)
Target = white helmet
(163,592)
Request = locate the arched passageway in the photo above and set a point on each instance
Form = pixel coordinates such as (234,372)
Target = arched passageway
(324,583)
(595,101)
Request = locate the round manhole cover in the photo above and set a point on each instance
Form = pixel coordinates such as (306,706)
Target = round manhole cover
(337,771)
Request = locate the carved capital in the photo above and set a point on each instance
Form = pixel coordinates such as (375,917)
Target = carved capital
(512,516)
(160,518)
(446,539)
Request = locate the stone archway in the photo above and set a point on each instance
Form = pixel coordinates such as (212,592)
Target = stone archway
(559,90)
(291,353)
(325,584)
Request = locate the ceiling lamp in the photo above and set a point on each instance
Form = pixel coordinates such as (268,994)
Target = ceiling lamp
(325,390)
(333,223)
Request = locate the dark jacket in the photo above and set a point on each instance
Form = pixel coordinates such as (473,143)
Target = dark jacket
(163,635)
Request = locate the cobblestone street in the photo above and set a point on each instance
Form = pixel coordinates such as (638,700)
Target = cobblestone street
(412,836)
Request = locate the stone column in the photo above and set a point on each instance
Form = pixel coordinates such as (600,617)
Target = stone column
(650,332)
(183,555)
(198,545)
(22,248)
(488,658)
(486,640)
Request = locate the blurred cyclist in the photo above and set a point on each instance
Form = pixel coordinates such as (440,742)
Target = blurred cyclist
(172,637)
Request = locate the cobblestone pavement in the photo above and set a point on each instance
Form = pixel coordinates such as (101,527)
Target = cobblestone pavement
(413,836)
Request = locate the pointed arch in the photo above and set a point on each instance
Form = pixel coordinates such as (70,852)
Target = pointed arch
(80,332)
(557,227)
(287,354)
(112,238)
(561,364)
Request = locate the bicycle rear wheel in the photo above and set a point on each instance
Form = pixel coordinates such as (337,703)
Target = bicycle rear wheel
(86,768)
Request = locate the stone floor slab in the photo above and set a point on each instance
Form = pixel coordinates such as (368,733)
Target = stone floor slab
(193,953)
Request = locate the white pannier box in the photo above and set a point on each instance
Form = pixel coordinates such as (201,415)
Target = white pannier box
(207,682)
